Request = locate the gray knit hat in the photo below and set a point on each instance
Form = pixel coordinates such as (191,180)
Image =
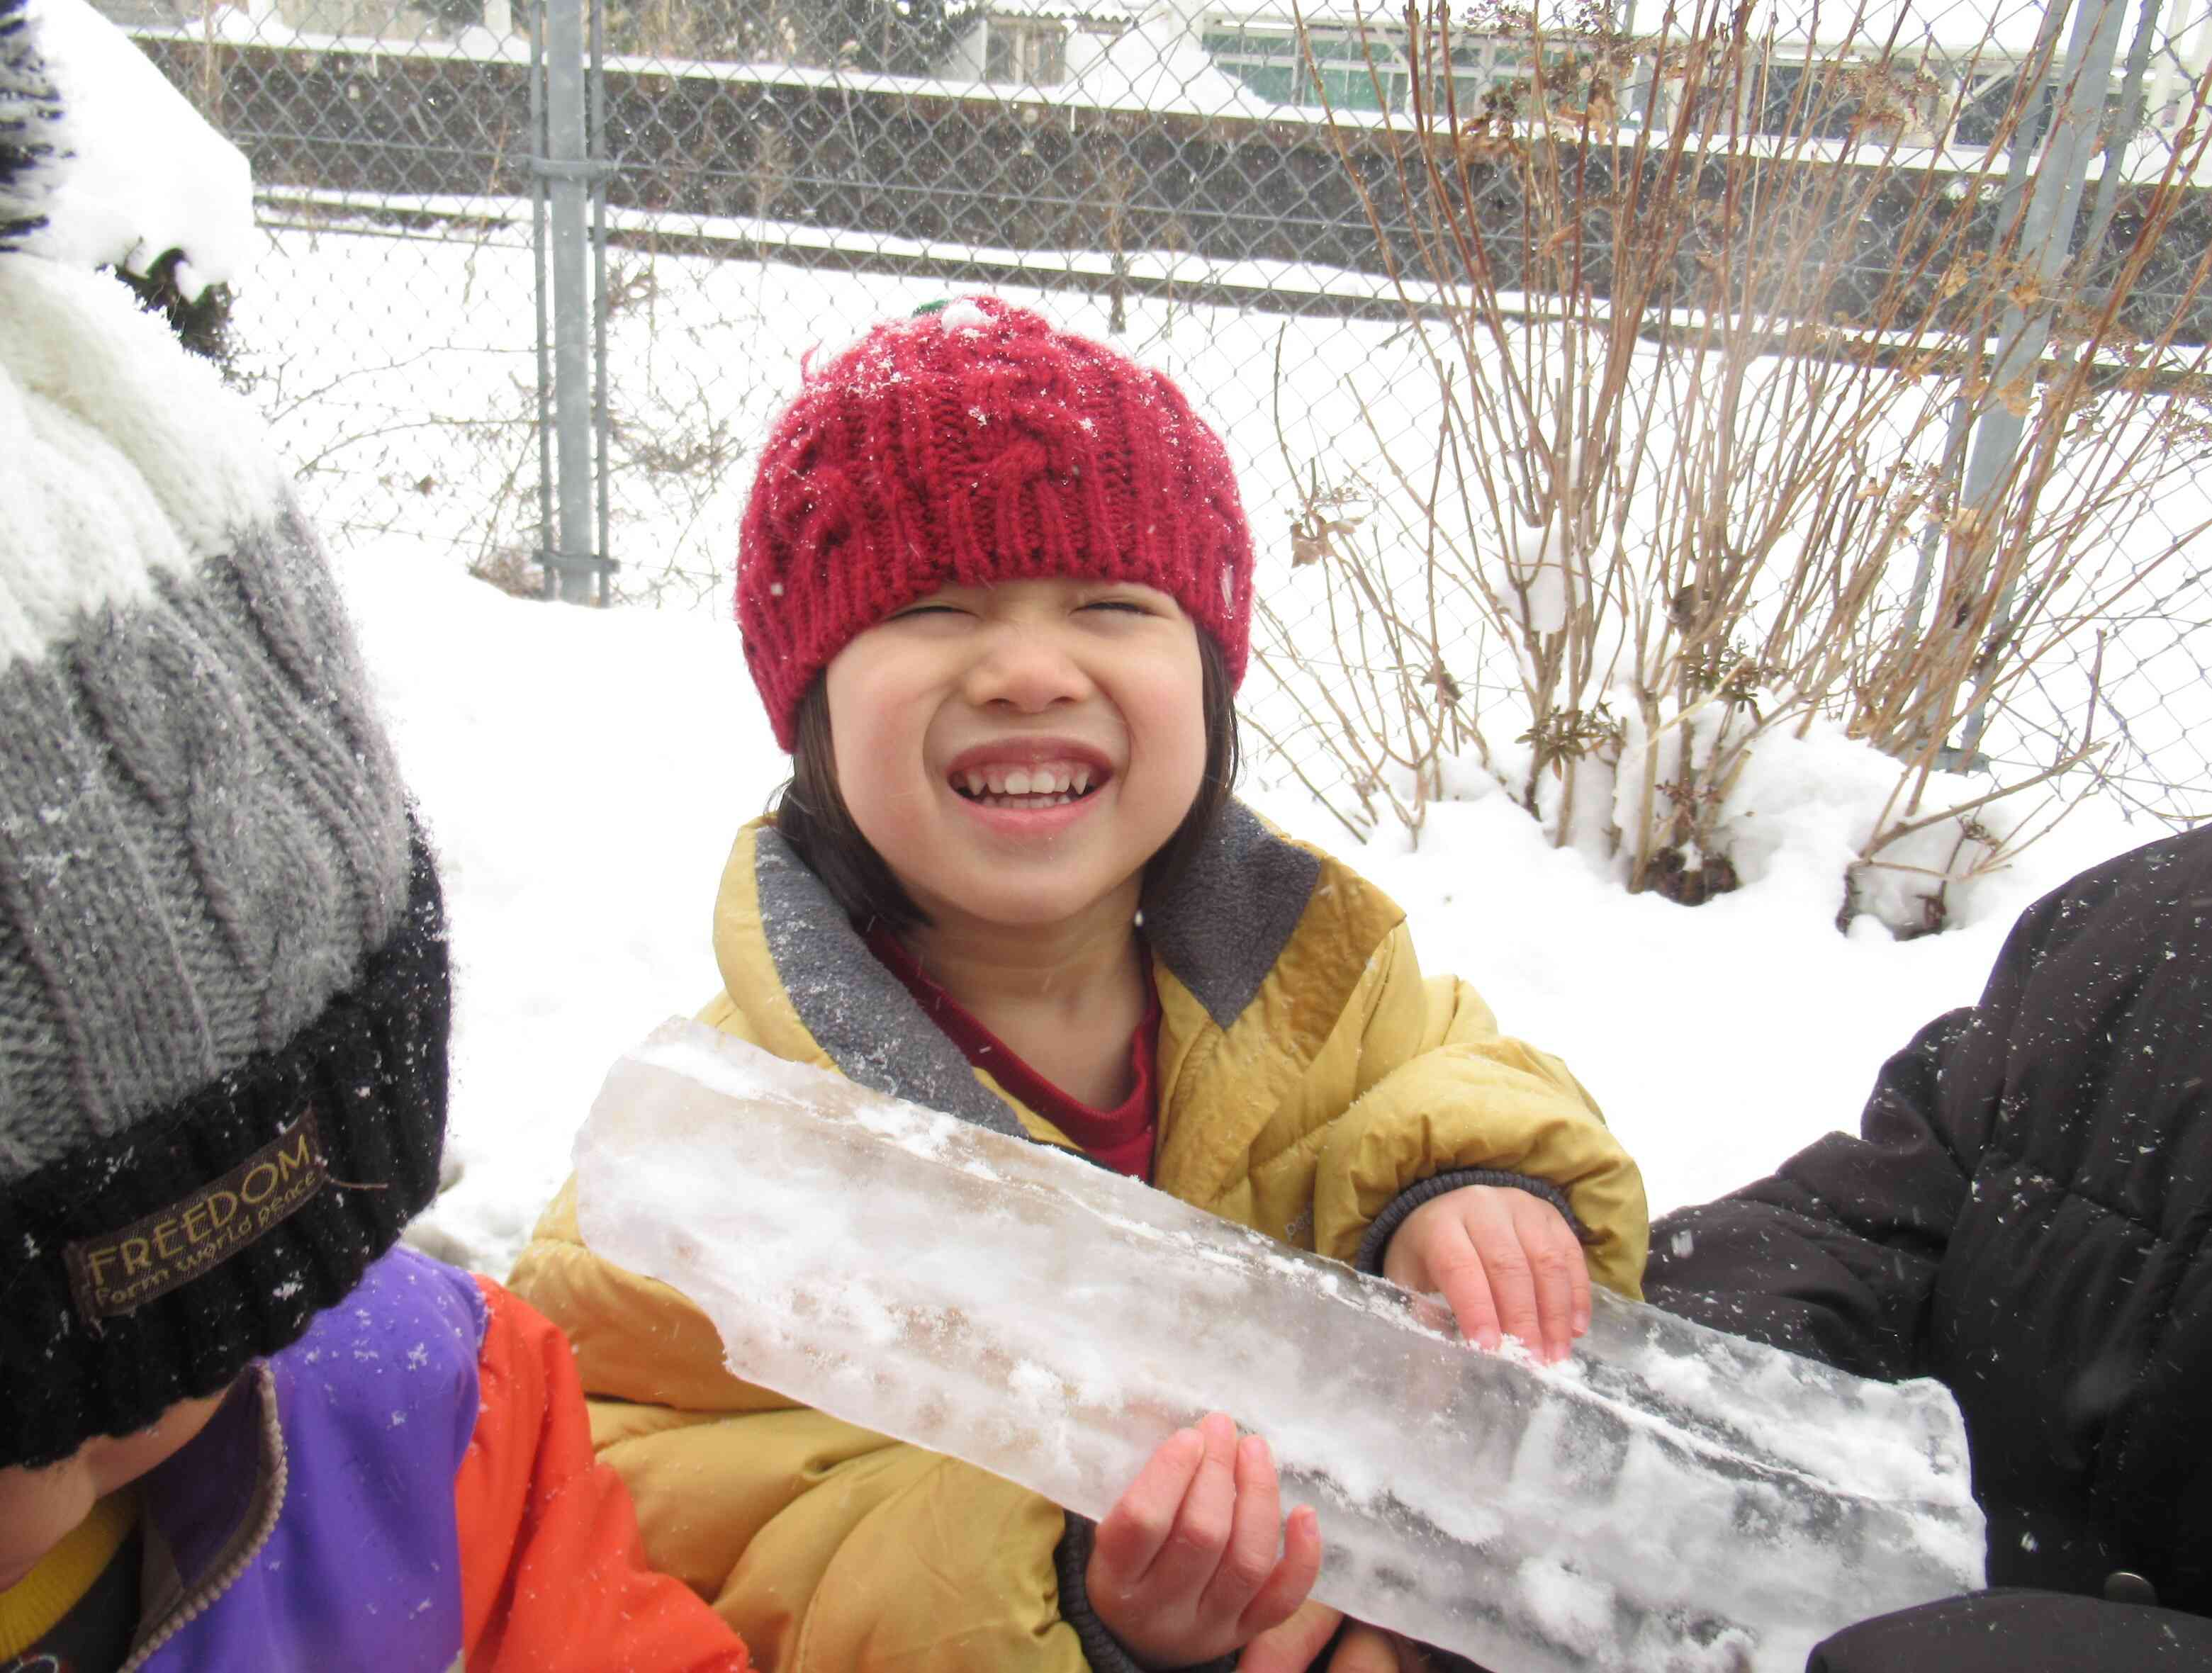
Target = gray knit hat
(223,999)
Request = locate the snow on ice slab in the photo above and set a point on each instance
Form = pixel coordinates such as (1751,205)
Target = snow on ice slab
(1673,1499)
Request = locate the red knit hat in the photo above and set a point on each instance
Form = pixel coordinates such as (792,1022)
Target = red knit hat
(968,446)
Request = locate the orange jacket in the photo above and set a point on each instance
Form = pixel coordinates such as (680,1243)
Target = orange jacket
(552,1575)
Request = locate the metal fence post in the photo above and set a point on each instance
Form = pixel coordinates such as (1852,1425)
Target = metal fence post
(567,166)
(2122,137)
(602,422)
(547,539)
(2046,236)
(2019,168)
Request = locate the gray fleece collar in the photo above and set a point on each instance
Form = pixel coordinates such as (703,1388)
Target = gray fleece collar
(1221,928)
(1220,932)
(858,1012)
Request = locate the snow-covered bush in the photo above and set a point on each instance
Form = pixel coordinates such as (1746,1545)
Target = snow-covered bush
(1706,398)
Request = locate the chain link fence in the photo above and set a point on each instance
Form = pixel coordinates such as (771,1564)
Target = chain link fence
(1217,189)
(388,328)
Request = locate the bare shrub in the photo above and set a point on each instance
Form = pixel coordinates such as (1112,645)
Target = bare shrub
(512,570)
(1707,387)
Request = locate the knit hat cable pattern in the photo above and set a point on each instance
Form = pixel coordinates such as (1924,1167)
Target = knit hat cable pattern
(974,445)
(370,1067)
(213,917)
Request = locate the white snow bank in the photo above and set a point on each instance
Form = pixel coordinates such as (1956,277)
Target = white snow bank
(581,773)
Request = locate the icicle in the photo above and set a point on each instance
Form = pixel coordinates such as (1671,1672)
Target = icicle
(1671,1498)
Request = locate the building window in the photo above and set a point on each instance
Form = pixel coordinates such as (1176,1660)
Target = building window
(1358,72)
(1025,54)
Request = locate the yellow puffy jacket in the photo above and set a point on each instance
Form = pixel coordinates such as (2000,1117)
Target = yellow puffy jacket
(1308,1074)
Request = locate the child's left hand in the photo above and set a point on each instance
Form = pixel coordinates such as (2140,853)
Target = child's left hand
(1505,1259)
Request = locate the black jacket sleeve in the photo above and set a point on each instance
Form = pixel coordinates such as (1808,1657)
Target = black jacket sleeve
(2020,1632)
(1834,1256)
(2022,1213)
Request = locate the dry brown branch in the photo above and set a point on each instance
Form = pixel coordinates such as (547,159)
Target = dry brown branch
(1706,396)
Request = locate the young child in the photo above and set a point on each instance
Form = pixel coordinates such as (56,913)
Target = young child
(238,1429)
(994,582)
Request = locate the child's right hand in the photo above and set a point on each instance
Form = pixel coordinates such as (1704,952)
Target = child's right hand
(1507,1261)
(1184,1568)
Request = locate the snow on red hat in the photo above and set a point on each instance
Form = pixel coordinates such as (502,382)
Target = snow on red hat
(969,445)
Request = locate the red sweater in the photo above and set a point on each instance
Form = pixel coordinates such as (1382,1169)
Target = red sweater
(1120,1138)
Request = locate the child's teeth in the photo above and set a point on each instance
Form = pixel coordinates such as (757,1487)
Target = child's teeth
(1045,786)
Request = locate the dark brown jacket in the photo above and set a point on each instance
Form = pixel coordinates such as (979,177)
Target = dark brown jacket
(2026,1214)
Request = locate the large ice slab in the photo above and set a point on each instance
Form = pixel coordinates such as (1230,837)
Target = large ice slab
(1672,1499)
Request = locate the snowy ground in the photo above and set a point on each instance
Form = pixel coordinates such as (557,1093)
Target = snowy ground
(583,772)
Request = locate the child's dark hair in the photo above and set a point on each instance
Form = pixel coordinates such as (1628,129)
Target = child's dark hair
(811,814)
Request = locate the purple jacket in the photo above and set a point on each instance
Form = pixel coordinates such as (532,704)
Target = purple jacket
(311,1524)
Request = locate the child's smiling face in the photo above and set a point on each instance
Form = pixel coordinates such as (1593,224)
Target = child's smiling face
(1016,752)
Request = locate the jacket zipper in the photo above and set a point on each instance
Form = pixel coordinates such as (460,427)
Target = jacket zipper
(225,1574)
